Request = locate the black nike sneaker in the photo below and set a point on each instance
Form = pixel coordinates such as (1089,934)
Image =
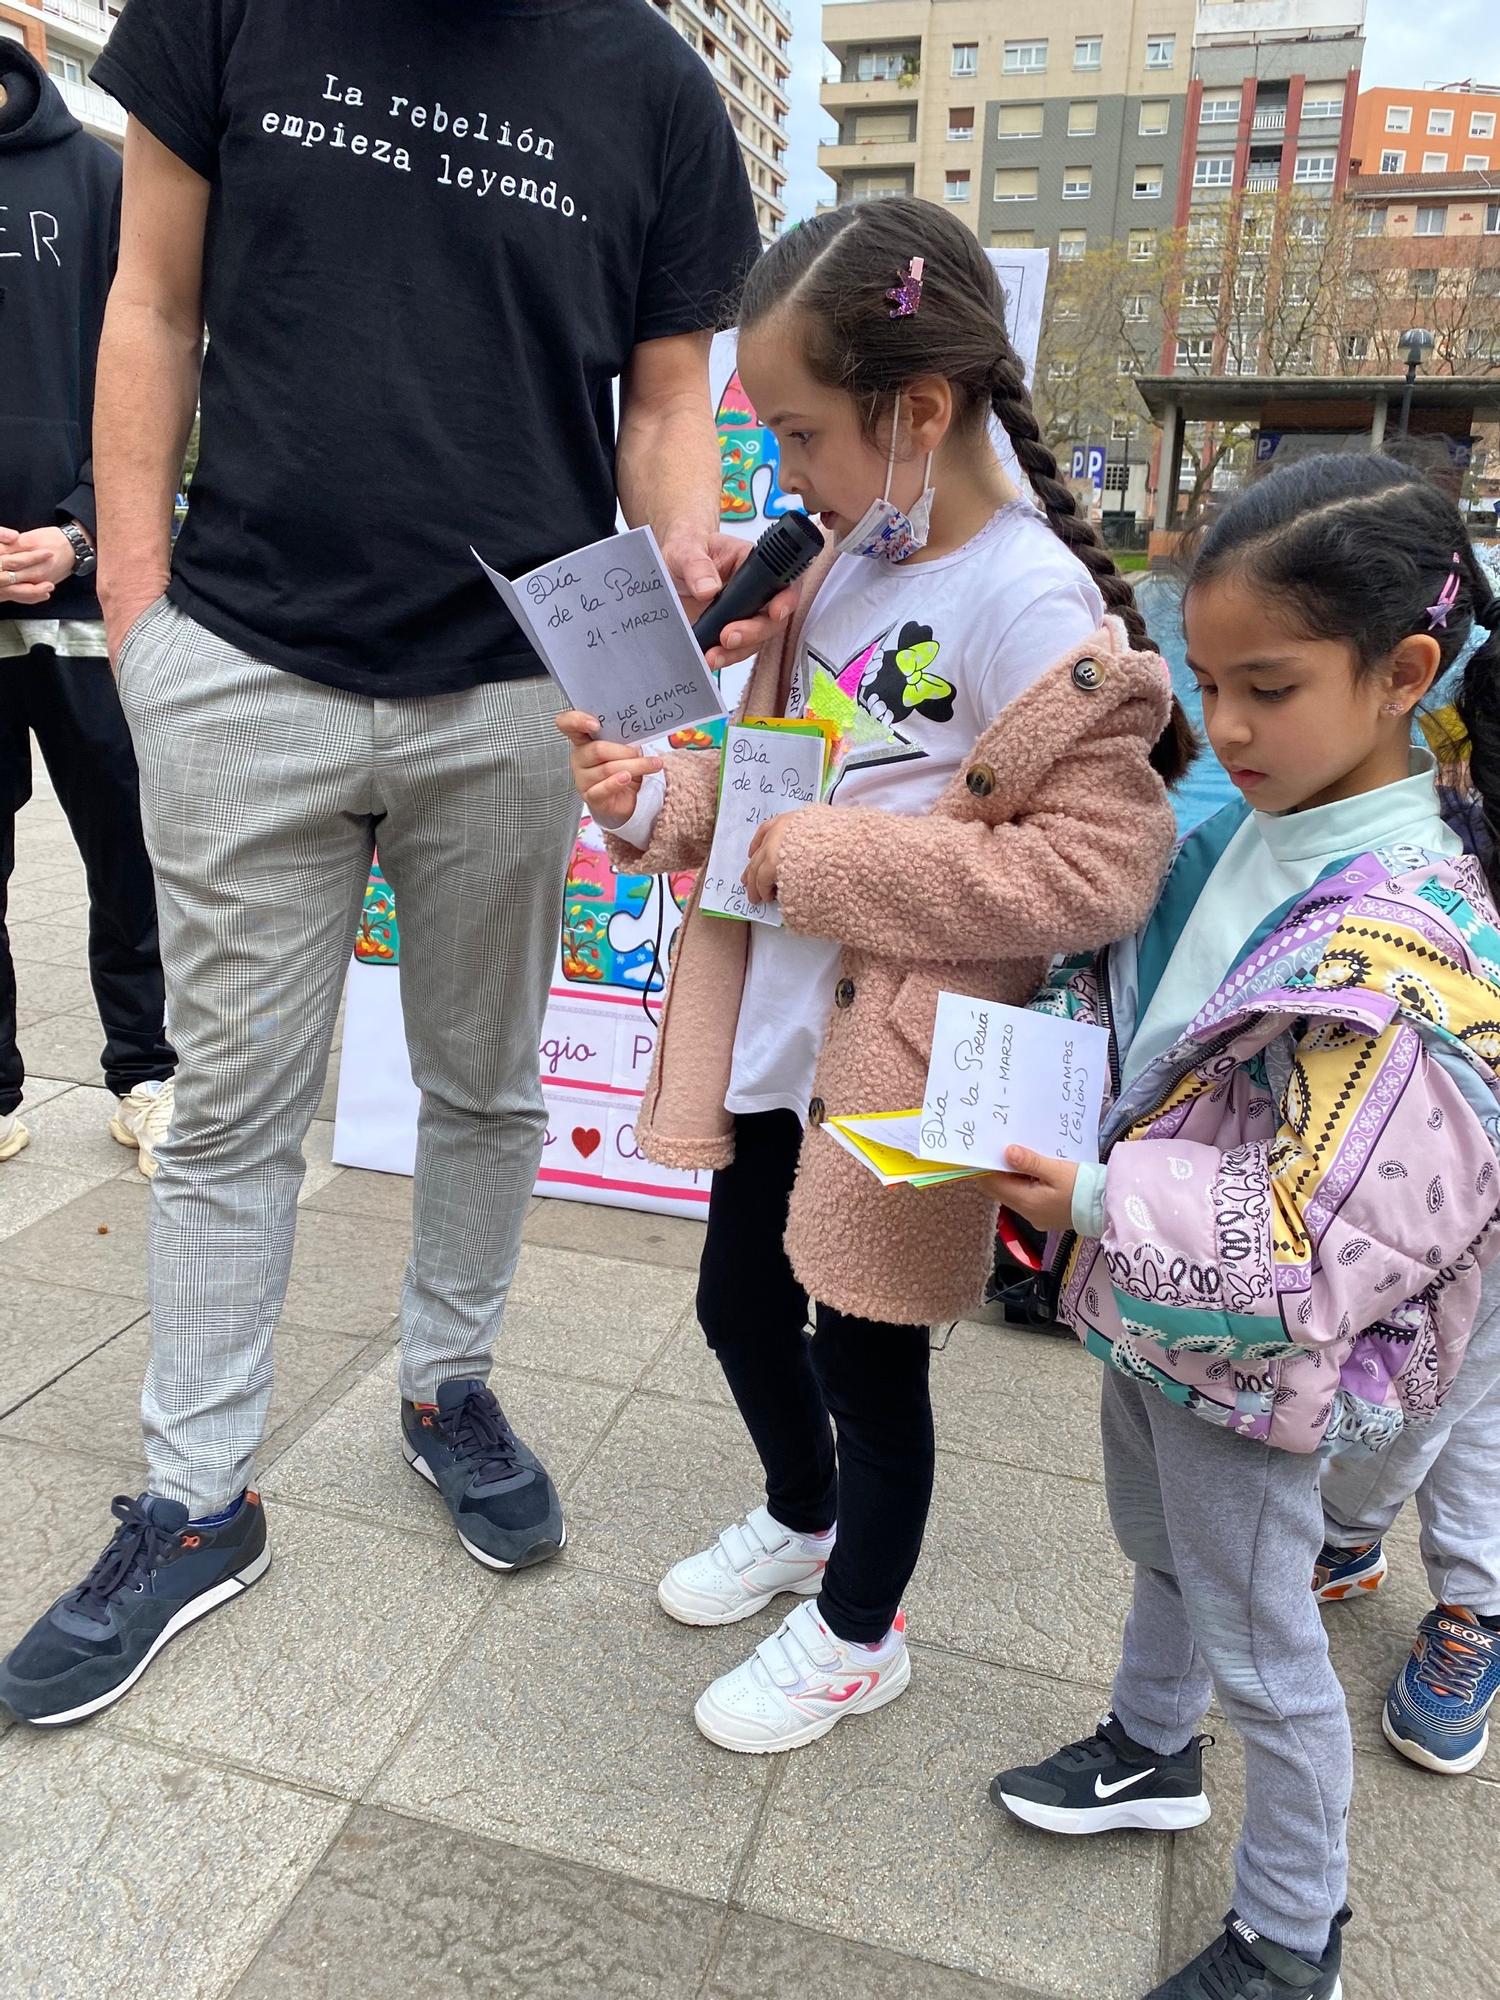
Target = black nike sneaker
(1108,1781)
(1240,1964)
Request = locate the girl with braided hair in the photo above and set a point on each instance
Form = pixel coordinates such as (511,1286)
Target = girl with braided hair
(1014,813)
(1280,1258)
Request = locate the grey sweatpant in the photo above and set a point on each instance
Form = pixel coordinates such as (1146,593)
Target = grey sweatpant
(263,796)
(1451,1464)
(1224,1535)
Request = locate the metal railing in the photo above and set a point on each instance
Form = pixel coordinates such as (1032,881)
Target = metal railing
(1272,118)
(84,13)
(1262,180)
(91,106)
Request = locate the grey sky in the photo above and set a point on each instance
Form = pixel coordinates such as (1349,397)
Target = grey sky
(1407,41)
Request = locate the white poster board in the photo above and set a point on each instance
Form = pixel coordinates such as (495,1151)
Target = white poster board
(617,931)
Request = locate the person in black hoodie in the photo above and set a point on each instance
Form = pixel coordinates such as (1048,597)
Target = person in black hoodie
(59,229)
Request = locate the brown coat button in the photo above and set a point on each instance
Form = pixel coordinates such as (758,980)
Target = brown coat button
(1089,676)
(843,993)
(981,780)
(817,1111)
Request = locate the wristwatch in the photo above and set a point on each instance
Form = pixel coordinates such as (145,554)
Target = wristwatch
(85,562)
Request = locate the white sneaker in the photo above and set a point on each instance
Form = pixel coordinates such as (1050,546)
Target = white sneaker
(13,1136)
(753,1561)
(143,1120)
(798,1683)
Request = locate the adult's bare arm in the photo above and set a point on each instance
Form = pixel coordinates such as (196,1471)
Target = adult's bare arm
(667,469)
(146,388)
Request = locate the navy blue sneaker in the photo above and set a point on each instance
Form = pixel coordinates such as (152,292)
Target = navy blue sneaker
(504,1506)
(1340,1573)
(1437,1712)
(154,1579)
(1240,1964)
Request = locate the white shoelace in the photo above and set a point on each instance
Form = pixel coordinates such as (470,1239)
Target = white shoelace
(157,1122)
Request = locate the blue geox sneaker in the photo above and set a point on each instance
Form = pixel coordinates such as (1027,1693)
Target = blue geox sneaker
(157,1575)
(1340,1573)
(504,1506)
(1437,1712)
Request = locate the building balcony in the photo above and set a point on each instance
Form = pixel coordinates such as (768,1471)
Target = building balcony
(1263,180)
(95,111)
(881,91)
(1269,118)
(859,156)
(85,22)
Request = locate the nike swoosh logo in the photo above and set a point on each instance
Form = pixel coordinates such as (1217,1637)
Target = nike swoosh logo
(1103,1791)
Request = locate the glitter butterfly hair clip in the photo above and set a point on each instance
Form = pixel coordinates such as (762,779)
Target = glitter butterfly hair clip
(1447,597)
(907,296)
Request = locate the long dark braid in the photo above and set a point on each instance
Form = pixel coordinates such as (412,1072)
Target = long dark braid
(835,272)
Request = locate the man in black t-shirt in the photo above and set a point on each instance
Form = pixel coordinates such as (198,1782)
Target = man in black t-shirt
(424,240)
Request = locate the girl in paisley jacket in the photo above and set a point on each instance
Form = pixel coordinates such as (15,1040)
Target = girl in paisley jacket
(1283,1247)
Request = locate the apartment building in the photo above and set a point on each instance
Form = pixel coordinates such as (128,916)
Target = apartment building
(747,45)
(1440,129)
(1426,252)
(66,36)
(1066,138)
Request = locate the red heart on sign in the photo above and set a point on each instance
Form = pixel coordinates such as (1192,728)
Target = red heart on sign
(586,1140)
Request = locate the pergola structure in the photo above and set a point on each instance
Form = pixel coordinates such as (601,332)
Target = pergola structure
(1360,406)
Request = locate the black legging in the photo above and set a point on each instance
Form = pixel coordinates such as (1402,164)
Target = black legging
(870,1378)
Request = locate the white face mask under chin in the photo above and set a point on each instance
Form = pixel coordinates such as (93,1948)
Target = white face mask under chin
(884,532)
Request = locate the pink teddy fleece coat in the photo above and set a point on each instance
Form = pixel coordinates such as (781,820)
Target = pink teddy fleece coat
(1051,838)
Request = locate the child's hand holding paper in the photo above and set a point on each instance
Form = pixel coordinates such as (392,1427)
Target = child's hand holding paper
(1037,1189)
(607,776)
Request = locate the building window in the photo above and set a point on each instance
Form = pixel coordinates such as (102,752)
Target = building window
(1439,124)
(1476,163)
(965,59)
(1213,170)
(1065,307)
(1432,222)
(1424,283)
(876,188)
(1434,163)
(1124,365)
(1393,163)
(1147,185)
(1025,58)
(67,68)
(1156,117)
(1115,476)
(1310,227)
(1142,245)
(1205,231)
(1356,347)
(1323,100)
(1196,353)
(1315,168)
(1398,118)
(1078,183)
(956,185)
(961,121)
(1220,107)
(1137,307)
(1012,239)
(1088,53)
(1016,184)
(1481,124)
(1071,245)
(1063,369)
(1083,120)
(1200,291)
(1020,121)
(1161,51)
(881,65)
(1492,219)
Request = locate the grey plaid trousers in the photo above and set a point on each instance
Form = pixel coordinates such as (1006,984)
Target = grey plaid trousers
(263,796)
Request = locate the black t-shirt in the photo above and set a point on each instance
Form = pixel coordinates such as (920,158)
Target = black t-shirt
(436,231)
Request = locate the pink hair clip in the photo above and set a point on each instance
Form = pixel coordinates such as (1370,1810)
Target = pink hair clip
(1447,597)
(907,296)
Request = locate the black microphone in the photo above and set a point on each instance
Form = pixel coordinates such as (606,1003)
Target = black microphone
(778,558)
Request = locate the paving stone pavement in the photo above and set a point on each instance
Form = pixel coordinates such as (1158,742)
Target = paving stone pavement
(388,1769)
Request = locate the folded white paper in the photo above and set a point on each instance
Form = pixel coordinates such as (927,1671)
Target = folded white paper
(1002,1076)
(612,633)
(765,772)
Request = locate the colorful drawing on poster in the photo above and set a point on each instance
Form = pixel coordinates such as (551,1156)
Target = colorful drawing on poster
(378,939)
(748,450)
(617,930)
